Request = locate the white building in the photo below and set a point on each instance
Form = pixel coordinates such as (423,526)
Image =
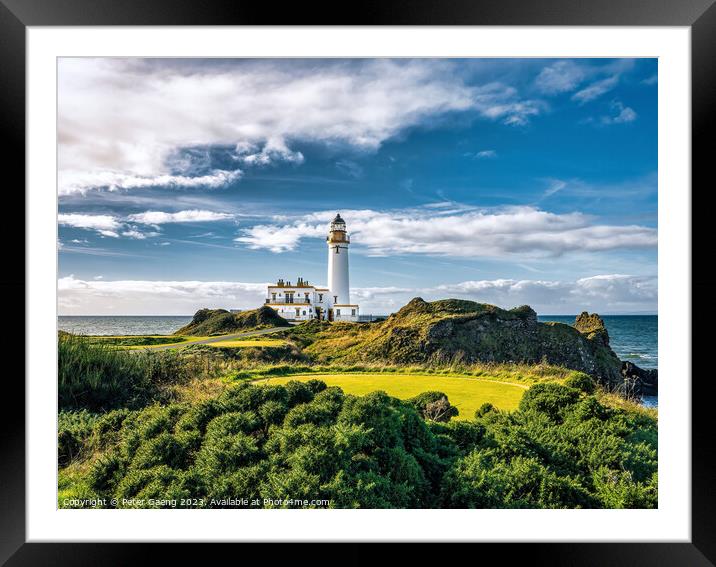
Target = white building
(302,301)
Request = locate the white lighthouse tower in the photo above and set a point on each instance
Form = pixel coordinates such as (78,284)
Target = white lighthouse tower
(302,301)
(338,284)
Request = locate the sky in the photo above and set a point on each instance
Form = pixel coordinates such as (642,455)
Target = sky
(191,183)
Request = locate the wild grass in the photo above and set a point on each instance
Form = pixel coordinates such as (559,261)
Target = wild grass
(136,340)
(99,377)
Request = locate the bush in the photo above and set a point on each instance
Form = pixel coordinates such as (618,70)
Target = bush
(582,382)
(73,430)
(561,449)
(484,409)
(550,399)
(434,406)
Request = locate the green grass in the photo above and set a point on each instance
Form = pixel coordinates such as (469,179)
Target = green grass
(467,394)
(242,343)
(135,340)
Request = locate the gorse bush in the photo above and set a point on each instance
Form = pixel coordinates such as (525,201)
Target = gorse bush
(561,449)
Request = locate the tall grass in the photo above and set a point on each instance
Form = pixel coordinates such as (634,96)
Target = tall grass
(98,377)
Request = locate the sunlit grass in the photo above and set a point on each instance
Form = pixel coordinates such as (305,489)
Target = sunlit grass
(464,392)
(240,343)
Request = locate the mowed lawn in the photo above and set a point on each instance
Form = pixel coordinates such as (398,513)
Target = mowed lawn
(466,393)
(241,343)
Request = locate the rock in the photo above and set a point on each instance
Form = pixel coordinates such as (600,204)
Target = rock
(642,382)
(221,321)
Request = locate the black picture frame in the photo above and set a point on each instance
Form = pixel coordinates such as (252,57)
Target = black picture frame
(699,15)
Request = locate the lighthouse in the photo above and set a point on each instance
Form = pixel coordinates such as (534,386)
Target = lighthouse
(338,242)
(338,282)
(302,301)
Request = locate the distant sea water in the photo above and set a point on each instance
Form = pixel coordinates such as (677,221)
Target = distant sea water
(633,337)
(122,324)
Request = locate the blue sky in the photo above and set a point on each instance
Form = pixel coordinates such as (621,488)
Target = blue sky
(192,183)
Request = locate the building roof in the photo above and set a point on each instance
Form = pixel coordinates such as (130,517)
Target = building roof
(339,219)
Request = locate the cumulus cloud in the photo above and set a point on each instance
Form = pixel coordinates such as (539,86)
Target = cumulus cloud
(514,231)
(596,89)
(601,293)
(120,120)
(560,77)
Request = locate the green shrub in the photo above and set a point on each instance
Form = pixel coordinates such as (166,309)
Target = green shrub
(582,382)
(549,398)
(561,449)
(73,430)
(434,406)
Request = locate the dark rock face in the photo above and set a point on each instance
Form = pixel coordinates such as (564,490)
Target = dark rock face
(639,380)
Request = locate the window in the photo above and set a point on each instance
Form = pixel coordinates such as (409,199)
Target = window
(320,297)
(338,312)
(335,299)
(298,312)
(304,312)
(353,312)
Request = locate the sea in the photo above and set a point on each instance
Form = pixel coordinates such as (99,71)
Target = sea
(633,337)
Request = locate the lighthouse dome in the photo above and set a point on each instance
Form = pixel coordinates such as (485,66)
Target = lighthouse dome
(338,223)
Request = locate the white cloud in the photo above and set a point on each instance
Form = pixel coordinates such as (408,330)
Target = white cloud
(560,77)
(601,293)
(515,231)
(280,238)
(596,89)
(622,114)
(139,297)
(486,154)
(275,150)
(135,234)
(71,181)
(106,225)
(194,215)
(120,119)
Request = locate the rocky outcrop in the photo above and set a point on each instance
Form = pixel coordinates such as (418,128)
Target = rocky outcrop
(220,321)
(639,381)
(458,330)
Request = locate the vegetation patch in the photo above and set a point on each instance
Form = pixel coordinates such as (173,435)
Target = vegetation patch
(136,340)
(274,444)
(453,332)
(467,394)
(247,343)
(221,322)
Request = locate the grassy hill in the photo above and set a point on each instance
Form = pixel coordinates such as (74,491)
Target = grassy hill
(220,321)
(453,330)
